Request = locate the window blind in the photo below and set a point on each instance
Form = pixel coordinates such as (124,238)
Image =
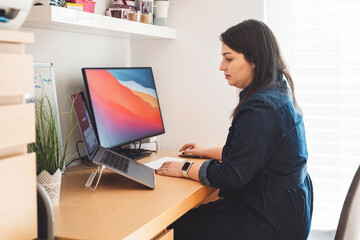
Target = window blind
(325,66)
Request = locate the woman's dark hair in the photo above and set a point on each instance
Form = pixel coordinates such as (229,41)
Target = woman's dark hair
(256,41)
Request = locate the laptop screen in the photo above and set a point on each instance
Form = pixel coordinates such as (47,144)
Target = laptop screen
(124,104)
(85,125)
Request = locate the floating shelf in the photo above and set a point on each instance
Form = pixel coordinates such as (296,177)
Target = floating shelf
(70,20)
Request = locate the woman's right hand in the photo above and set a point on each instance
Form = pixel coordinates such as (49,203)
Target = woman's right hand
(193,149)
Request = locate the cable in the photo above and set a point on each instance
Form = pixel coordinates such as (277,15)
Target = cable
(79,158)
(77,148)
(72,162)
(83,159)
(88,163)
(140,144)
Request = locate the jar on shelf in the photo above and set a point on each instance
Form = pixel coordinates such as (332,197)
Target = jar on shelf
(147,11)
(161,8)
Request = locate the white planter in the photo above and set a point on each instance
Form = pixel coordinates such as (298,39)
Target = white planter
(161,9)
(52,185)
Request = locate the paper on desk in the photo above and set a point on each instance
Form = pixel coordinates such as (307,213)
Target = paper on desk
(157,163)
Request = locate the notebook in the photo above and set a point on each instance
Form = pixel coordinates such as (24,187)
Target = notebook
(114,161)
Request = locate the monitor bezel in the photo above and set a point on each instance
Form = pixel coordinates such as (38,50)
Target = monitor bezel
(93,119)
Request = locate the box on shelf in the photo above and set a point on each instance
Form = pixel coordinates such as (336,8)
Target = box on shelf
(121,4)
(120,9)
(89,6)
(75,6)
(84,5)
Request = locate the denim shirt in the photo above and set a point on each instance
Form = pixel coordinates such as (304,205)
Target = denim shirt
(266,141)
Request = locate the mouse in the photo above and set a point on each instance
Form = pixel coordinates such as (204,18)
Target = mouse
(189,155)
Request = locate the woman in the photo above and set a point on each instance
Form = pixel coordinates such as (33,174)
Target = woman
(265,190)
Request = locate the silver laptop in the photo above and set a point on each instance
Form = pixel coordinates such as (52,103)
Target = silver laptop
(114,161)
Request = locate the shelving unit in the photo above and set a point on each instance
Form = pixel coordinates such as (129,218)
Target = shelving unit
(17,126)
(63,19)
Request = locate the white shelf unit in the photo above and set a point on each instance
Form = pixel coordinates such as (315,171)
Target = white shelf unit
(63,19)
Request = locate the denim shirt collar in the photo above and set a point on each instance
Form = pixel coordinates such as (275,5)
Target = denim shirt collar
(243,92)
(279,79)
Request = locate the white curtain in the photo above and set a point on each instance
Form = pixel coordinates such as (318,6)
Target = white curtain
(323,50)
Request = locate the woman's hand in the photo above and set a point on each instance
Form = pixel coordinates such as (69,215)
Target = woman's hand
(193,149)
(171,168)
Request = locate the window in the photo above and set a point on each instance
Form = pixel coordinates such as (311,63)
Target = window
(322,39)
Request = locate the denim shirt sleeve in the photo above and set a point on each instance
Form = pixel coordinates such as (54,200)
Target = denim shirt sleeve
(203,171)
(253,137)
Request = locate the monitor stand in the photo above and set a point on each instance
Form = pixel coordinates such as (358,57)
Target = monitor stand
(134,154)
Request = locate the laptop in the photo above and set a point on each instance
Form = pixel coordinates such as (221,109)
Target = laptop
(106,158)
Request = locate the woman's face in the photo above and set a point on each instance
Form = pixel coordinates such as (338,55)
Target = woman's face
(237,70)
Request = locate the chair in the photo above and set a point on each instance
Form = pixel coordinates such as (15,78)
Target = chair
(45,214)
(349,223)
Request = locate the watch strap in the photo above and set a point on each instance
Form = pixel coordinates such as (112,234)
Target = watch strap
(185,171)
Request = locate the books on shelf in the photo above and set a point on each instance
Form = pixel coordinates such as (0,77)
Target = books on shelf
(75,6)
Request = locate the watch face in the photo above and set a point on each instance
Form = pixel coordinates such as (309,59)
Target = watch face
(186,166)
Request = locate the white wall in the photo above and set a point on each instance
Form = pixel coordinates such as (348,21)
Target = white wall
(195,99)
(281,24)
(70,52)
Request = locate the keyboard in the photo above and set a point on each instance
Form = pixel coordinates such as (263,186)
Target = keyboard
(134,154)
(115,161)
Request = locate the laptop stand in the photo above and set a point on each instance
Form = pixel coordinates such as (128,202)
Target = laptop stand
(92,176)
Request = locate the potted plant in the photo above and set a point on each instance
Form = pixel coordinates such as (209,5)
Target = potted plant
(50,159)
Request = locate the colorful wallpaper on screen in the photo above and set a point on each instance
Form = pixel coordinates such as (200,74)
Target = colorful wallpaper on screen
(125,104)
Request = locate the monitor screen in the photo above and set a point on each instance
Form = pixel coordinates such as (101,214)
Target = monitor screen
(124,104)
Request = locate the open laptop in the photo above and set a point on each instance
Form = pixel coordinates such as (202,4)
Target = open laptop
(114,161)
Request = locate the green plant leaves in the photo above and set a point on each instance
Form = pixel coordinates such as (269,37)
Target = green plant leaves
(48,155)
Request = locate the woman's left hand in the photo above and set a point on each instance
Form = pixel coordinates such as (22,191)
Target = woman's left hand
(171,168)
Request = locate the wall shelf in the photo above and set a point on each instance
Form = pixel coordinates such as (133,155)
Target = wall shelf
(63,19)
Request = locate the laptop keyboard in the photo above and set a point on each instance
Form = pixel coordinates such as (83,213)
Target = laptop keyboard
(115,161)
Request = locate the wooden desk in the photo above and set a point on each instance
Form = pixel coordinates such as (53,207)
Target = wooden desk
(120,208)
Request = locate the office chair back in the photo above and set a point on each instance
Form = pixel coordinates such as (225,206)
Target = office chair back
(349,222)
(45,214)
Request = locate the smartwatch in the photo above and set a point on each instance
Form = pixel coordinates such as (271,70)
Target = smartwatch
(186,168)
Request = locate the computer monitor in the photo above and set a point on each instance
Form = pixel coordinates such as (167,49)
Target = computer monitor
(124,104)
